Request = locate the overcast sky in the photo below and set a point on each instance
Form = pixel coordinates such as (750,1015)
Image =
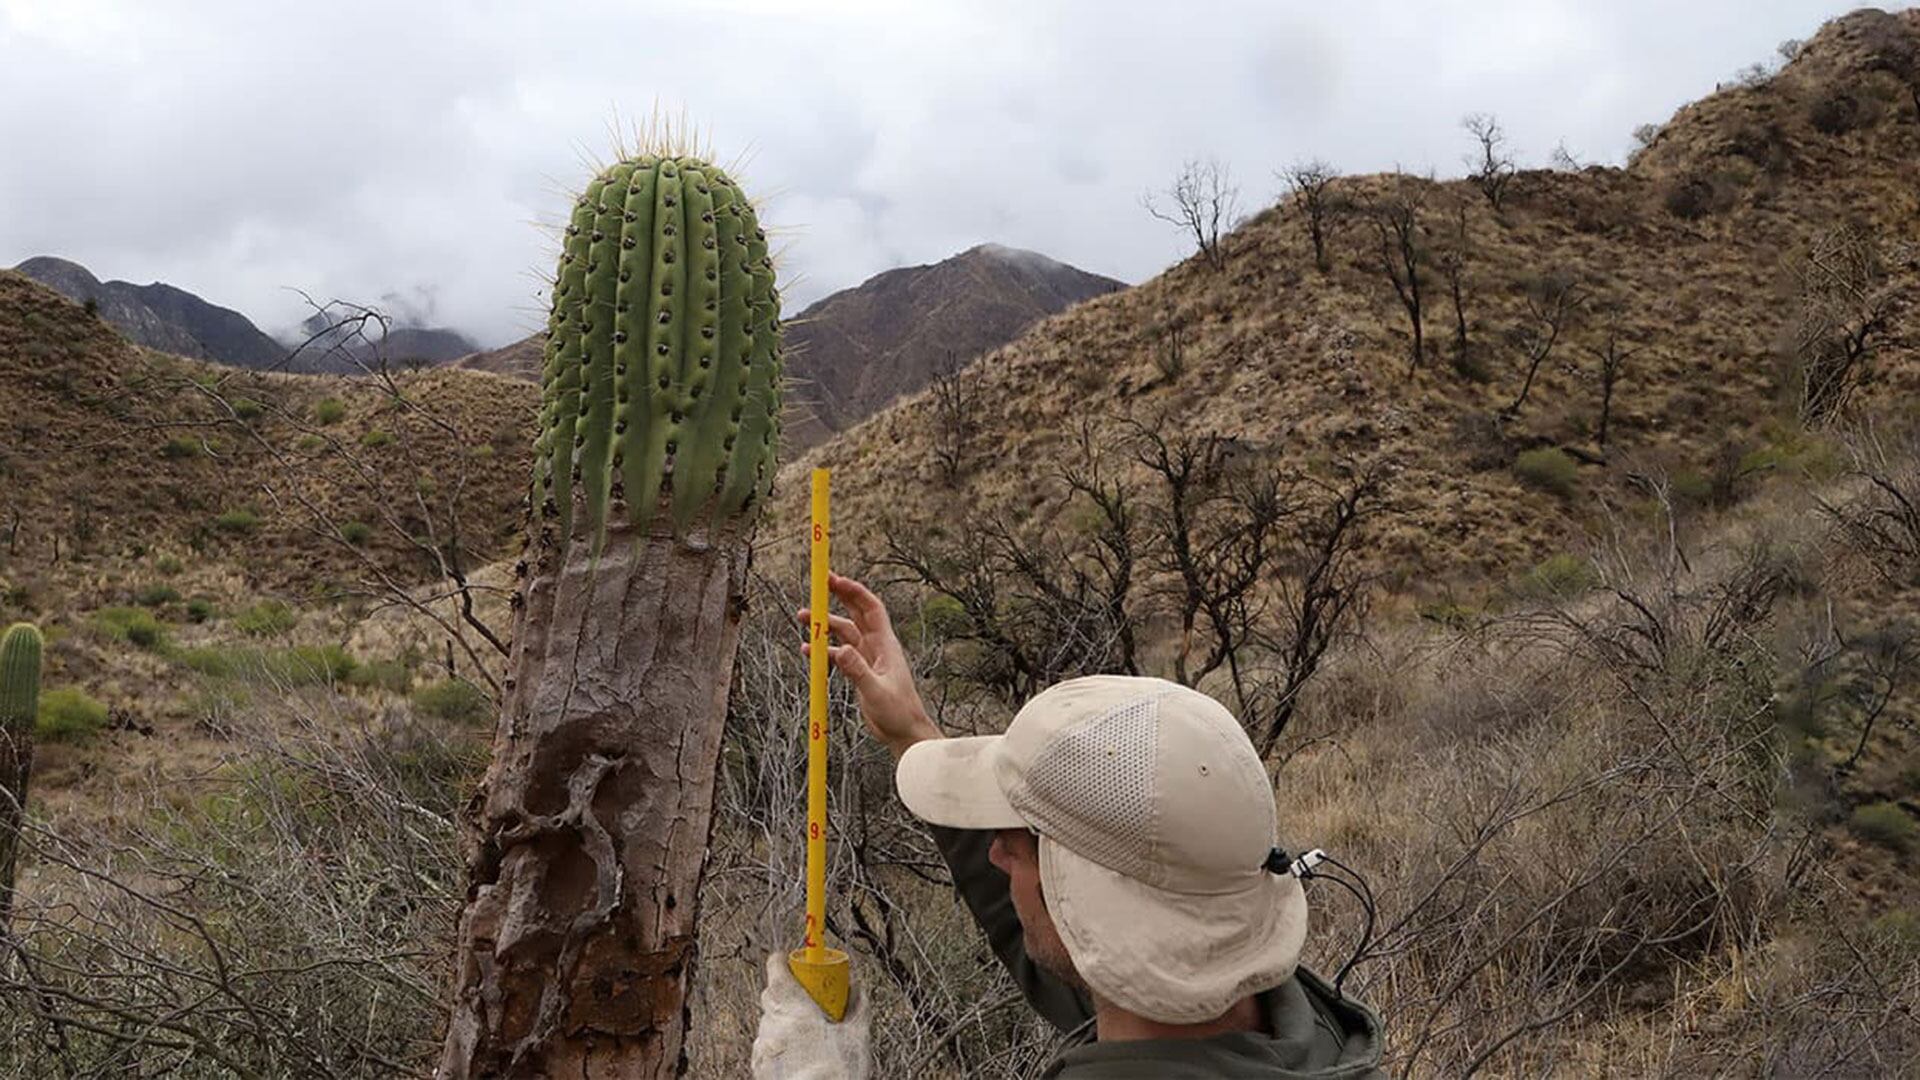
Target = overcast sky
(408,152)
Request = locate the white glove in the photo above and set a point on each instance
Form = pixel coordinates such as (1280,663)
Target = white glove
(798,1042)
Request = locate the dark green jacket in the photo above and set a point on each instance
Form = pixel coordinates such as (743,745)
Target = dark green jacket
(1311,1030)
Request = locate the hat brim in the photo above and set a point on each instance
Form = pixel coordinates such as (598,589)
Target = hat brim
(951,782)
(1179,958)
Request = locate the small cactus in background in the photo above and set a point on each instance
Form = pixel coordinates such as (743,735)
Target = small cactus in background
(658,426)
(19,707)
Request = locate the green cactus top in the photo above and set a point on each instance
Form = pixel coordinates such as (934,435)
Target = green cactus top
(661,386)
(19,677)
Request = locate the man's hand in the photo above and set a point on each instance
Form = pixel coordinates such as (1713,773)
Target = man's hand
(796,1041)
(871,658)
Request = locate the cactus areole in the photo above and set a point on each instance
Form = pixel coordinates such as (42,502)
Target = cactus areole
(19,709)
(659,419)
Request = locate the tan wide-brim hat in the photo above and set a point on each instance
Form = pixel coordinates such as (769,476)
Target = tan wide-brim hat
(1155,818)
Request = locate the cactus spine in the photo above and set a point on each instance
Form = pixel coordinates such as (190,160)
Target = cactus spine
(19,708)
(658,425)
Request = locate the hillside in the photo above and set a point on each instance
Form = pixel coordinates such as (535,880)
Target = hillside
(197,507)
(520,360)
(854,352)
(1687,259)
(160,316)
(105,440)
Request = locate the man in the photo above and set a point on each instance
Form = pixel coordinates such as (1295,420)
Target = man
(1113,846)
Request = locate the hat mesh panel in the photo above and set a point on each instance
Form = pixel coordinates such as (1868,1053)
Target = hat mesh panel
(1094,788)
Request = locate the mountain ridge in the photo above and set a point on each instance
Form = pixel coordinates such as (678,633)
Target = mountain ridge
(174,320)
(162,316)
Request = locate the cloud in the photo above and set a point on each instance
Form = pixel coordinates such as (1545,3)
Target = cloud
(243,149)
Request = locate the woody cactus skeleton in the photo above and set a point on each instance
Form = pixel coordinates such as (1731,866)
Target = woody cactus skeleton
(658,426)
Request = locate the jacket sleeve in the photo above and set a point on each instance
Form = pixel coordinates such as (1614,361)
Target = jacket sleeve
(984,890)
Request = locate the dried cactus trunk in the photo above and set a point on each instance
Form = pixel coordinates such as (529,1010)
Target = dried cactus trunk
(19,708)
(589,837)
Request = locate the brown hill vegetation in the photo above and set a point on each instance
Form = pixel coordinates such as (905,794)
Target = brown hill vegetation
(163,517)
(1693,263)
(109,445)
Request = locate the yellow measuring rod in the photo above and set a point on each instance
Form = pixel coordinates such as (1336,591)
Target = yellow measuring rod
(822,971)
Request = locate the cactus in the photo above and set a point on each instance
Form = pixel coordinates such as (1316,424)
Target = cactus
(661,380)
(655,454)
(19,708)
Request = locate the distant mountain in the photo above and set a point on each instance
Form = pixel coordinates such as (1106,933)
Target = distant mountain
(173,320)
(351,348)
(852,353)
(162,317)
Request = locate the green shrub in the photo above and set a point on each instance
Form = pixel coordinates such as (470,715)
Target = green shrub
(1901,926)
(1448,613)
(941,617)
(329,411)
(68,714)
(131,624)
(199,609)
(266,618)
(217,661)
(247,410)
(1884,823)
(1561,575)
(375,438)
(356,533)
(1691,487)
(309,443)
(455,700)
(302,665)
(178,448)
(1548,469)
(239,521)
(19,597)
(393,676)
(156,595)
(1795,452)
(1835,112)
(168,565)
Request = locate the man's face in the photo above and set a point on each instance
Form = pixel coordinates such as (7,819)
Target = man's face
(1017,854)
